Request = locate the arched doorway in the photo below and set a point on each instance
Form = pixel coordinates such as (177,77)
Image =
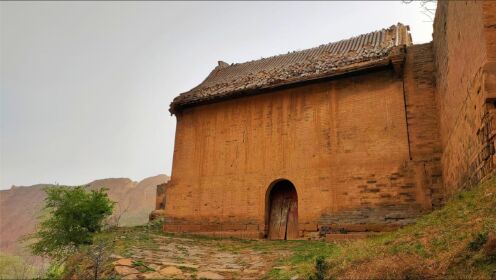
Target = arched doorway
(282,206)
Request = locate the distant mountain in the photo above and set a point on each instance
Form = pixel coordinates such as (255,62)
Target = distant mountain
(20,206)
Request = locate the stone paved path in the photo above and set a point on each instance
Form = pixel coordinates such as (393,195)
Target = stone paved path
(184,258)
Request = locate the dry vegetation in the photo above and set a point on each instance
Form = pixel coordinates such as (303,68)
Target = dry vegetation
(448,243)
(452,242)
(16,267)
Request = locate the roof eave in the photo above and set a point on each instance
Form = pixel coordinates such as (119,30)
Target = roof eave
(395,58)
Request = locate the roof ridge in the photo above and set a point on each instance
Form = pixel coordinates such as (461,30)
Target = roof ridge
(365,51)
(399,24)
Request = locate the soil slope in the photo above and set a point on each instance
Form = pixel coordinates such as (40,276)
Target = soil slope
(457,241)
(20,206)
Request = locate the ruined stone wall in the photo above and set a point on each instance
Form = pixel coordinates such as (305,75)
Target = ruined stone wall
(160,197)
(464,54)
(160,201)
(344,144)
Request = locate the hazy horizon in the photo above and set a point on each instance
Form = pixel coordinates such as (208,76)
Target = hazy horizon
(86,86)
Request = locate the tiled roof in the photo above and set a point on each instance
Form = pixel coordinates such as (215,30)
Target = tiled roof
(362,52)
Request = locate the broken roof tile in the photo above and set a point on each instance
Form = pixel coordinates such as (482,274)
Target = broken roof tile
(361,52)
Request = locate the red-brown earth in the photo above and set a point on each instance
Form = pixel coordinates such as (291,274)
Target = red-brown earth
(20,207)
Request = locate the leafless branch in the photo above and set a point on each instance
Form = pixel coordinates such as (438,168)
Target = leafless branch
(116,217)
(428,8)
(99,255)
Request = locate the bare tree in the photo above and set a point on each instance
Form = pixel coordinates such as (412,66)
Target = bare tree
(99,256)
(116,217)
(427,7)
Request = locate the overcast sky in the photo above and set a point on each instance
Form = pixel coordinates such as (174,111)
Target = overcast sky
(85,86)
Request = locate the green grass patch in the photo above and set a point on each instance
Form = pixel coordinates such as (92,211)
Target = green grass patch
(446,243)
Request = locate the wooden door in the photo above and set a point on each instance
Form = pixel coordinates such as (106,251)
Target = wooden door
(292,226)
(283,219)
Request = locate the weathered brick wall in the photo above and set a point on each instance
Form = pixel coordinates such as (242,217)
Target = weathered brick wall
(368,152)
(423,118)
(464,48)
(343,144)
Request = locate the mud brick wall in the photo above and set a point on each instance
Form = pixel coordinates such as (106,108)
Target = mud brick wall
(464,52)
(343,143)
(366,153)
(423,119)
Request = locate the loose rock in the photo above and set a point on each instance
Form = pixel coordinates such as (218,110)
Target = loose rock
(170,271)
(209,275)
(154,266)
(131,277)
(114,256)
(225,270)
(489,247)
(180,265)
(124,262)
(250,271)
(125,270)
(152,275)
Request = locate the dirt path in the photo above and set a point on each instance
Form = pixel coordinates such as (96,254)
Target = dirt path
(184,258)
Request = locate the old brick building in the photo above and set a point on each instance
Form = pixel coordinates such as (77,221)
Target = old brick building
(465,56)
(355,135)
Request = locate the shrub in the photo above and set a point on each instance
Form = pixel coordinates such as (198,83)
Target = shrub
(73,216)
(321,268)
(478,242)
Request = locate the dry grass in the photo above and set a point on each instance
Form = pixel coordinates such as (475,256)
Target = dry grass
(445,244)
(400,266)
(437,246)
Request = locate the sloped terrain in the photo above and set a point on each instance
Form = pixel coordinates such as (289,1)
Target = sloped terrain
(21,206)
(457,241)
(146,252)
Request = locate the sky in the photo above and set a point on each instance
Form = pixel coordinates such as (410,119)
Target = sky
(86,86)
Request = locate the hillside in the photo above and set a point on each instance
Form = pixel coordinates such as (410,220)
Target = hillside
(20,206)
(456,241)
